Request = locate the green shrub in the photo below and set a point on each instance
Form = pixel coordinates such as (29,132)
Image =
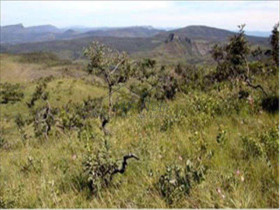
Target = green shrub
(10,93)
(2,141)
(43,121)
(98,169)
(177,182)
(221,137)
(270,104)
(39,93)
(251,147)
(270,140)
(20,123)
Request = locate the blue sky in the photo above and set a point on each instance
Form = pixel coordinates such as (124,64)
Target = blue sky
(258,15)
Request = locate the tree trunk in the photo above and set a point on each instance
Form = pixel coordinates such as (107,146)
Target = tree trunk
(110,100)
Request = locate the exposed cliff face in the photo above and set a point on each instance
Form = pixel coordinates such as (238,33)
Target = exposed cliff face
(179,44)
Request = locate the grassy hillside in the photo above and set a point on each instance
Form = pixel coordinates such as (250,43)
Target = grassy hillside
(206,148)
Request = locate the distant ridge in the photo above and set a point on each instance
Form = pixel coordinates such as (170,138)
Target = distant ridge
(191,43)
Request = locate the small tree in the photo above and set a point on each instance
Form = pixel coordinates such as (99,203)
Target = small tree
(146,80)
(274,41)
(232,60)
(113,66)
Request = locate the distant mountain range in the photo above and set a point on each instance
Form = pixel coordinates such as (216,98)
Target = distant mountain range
(191,43)
(16,34)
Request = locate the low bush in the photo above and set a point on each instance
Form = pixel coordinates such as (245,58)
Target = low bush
(2,141)
(177,181)
(10,93)
(39,93)
(270,104)
(270,141)
(98,169)
(251,147)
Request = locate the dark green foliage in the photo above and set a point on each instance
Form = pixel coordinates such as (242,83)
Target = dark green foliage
(274,41)
(73,115)
(122,107)
(152,82)
(221,137)
(6,203)
(270,104)
(242,94)
(110,64)
(98,168)
(270,140)
(2,141)
(189,77)
(43,121)
(177,182)
(39,93)
(232,58)
(264,144)
(146,81)
(10,93)
(167,86)
(252,147)
(20,123)
(257,53)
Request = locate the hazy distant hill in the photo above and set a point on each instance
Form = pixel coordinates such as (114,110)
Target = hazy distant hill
(192,43)
(207,33)
(136,31)
(73,48)
(15,34)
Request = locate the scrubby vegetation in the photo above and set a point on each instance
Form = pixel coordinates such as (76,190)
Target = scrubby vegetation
(139,134)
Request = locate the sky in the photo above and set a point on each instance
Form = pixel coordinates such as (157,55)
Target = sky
(258,15)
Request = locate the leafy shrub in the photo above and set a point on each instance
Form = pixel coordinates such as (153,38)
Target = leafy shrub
(270,140)
(265,144)
(69,118)
(177,181)
(10,93)
(20,123)
(2,141)
(221,137)
(251,147)
(270,104)
(242,94)
(39,93)
(121,108)
(43,121)
(6,203)
(98,169)
(73,115)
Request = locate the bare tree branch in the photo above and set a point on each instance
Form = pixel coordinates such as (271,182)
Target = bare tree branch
(124,164)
